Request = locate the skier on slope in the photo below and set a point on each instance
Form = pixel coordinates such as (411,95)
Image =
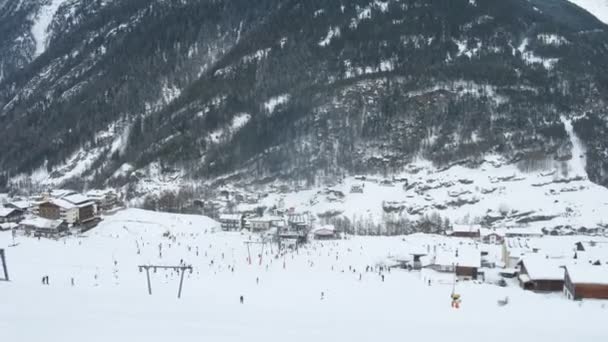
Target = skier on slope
(455,300)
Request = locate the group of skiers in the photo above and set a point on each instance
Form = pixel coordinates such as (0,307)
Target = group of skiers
(213,254)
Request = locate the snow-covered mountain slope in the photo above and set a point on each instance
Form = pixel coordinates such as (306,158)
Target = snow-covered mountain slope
(42,24)
(319,293)
(558,198)
(598,8)
(214,88)
(493,194)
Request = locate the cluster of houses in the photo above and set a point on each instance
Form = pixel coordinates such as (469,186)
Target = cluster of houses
(237,210)
(52,213)
(574,265)
(284,224)
(559,264)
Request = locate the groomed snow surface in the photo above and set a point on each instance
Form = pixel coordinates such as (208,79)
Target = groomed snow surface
(109,300)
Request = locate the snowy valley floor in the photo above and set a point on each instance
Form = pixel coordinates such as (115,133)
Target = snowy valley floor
(109,301)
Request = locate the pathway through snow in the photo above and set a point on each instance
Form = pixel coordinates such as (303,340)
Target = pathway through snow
(578,163)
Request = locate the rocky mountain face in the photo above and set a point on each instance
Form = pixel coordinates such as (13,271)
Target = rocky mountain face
(243,90)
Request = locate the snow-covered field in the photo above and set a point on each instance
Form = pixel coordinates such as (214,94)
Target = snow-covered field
(109,300)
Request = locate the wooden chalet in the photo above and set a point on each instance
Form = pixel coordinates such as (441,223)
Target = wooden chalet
(586,282)
(10,215)
(464,262)
(465,231)
(541,274)
(24,206)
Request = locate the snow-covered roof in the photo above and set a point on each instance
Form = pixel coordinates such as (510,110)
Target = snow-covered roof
(9,225)
(60,203)
(42,223)
(548,246)
(60,193)
(266,219)
(465,228)
(464,257)
(594,251)
(246,207)
(326,227)
(588,274)
(325,230)
(230,217)
(486,232)
(77,199)
(527,231)
(23,205)
(4,212)
(542,268)
(99,193)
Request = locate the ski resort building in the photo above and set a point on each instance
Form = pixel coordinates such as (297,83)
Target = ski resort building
(299,222)
(104,199)
(24,206)
(466,231)
(264,223)
(231,221)
(40,226)
(10,215)
(58,209)
(492,236)
(61,193)
(464,262)
(551,247)
(530,232)
(540,274)
(327,232)
(586,282)
(85,207)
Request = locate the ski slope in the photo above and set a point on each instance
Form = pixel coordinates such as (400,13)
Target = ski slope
(109,300)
